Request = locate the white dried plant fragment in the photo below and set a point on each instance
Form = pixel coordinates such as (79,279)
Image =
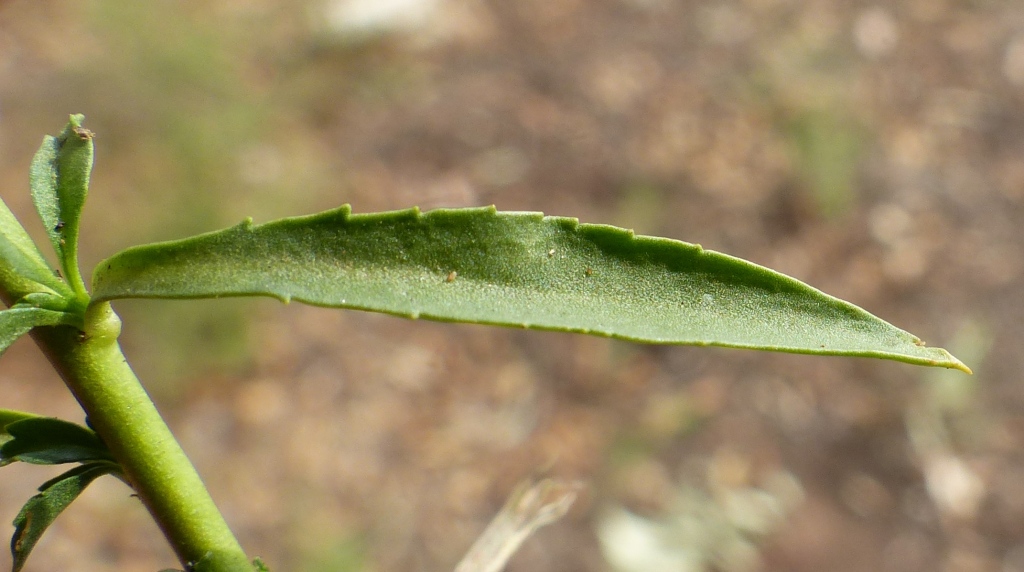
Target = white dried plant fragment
(378,16)
(529,507)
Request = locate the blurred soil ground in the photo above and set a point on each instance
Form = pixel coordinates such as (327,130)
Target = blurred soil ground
(872,149)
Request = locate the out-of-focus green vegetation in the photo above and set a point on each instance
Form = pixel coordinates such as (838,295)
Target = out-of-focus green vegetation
(828,150)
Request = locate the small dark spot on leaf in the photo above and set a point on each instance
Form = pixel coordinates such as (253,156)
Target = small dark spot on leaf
(83,133)
(589,272)
(59,227)
(21,534)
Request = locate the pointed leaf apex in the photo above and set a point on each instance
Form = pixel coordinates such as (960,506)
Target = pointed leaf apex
(952,362)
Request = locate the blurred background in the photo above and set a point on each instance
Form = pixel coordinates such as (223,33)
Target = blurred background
(872,149)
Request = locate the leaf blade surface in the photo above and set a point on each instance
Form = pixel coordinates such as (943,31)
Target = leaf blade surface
(512,269)
(24,270)
(19,320)
(50,441)
(42,509)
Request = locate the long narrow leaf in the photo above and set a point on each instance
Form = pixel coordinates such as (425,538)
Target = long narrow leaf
(513,269)
(41,510)
(17,321)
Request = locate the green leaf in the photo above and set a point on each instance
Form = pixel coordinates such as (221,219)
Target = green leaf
(48,301)
(22,267)
(41,510)
(512,269)
(18,320)
(59,179)
(50,441)
(8,416)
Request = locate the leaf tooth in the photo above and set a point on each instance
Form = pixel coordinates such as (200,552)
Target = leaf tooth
(566,222)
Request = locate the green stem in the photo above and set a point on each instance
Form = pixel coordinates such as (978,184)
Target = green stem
(121,411)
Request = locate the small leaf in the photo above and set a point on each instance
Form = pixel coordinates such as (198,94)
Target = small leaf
(59,180)
(8,416)
(49,441)
(24,270)
(41,510)
(512,269)
(47,300)
(17,321)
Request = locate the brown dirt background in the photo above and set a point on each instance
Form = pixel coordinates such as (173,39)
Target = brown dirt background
(872,149)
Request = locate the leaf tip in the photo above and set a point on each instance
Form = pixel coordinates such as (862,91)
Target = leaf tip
(83,133)
(947,360)
(75,120)
(955,363)
(74,128)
